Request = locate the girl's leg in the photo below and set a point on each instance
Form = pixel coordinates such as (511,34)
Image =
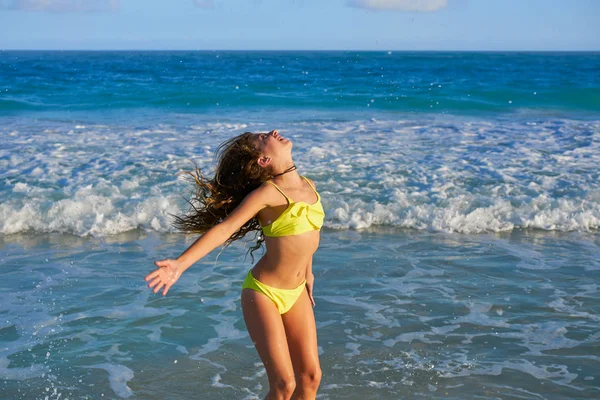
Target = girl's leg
(268,334)
(301,332)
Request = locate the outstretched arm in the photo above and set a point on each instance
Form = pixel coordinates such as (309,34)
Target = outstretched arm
(169,271)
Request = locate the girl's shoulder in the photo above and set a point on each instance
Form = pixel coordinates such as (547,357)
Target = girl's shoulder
(311,183)
(310,180)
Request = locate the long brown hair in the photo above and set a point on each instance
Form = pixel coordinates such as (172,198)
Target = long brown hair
(237,174)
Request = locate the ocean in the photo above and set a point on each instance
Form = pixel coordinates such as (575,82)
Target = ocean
(459,257)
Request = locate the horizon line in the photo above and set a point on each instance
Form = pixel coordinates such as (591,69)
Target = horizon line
(321,50)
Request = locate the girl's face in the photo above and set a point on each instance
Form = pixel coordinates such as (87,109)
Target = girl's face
(272,144)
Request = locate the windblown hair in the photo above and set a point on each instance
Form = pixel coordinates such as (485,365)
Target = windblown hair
(237,174)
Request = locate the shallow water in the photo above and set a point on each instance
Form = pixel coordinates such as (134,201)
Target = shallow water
(400,314)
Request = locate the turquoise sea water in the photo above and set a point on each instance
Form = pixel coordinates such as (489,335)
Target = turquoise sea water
(459,257)
(218,82)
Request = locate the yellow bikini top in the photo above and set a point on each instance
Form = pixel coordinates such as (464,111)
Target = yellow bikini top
(298,217)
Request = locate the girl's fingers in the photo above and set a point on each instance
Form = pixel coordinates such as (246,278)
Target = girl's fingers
(310,296)
(156,272)
(160,278)
(152,275)
(162,263)
(154,282)
(157,288)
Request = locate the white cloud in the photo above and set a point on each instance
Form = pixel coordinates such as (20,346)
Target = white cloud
(60,5)
(204,3)
(399,5)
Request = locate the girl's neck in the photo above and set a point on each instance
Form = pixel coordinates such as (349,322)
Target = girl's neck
(288,175)
(286,171)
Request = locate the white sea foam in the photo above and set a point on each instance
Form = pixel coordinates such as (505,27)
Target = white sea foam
(118,376)
(216,382)
(20,374)
(354,349)
(225,331)
(85,215)
(451,175)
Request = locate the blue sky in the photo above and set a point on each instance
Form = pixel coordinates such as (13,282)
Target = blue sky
(301,24)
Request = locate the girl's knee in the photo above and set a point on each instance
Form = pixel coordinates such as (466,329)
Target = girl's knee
(283,386)
(311,378)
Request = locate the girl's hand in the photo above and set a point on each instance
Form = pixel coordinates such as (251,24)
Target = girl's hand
(166,275)
(310,280)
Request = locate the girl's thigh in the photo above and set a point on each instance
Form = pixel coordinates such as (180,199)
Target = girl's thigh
(267,332)
(301,333)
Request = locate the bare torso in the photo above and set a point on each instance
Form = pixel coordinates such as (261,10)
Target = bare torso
(285,262)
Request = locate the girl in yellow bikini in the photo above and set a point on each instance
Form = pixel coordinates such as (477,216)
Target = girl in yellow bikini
(256,187)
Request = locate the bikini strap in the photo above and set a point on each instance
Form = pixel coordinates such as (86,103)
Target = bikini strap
(280,191)
(311,185)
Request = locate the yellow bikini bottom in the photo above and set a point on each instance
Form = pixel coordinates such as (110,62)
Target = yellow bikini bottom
(284,299)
